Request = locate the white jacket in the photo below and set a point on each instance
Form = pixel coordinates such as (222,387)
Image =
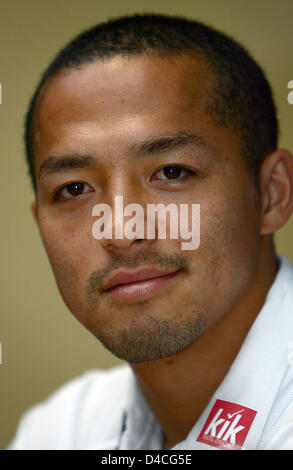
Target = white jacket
(251,409)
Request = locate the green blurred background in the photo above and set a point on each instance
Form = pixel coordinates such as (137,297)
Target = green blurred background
(43,345)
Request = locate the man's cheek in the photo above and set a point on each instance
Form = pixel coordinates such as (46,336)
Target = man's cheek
(221,236)
(67,253)
(70,272)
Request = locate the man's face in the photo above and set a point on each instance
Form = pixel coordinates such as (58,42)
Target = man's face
(115,127)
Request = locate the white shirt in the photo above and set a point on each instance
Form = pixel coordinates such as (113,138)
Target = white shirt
(251,409)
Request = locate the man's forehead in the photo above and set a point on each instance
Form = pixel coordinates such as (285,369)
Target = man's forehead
(124,82)
(106,106)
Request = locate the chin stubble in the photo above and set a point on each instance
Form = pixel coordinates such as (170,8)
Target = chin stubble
(146,337)
(152,338)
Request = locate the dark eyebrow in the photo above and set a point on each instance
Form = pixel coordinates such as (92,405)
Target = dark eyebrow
(55,163)
(155,145)
(164,143)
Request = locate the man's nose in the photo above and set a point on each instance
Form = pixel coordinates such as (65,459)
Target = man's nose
(125,226)
(115,245)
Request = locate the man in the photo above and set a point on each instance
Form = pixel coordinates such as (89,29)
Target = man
(160,109)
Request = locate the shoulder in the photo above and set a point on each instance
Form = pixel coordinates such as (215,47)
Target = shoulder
(281,435)
(278,431)
(85,409)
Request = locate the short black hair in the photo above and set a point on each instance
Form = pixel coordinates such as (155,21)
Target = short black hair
(240,96)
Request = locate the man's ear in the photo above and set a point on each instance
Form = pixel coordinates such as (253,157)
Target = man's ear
(276,185)
(34,209)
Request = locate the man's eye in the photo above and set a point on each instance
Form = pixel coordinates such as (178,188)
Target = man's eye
(172,172)
(72,190)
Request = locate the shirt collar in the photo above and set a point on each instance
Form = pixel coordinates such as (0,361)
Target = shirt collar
(141,430)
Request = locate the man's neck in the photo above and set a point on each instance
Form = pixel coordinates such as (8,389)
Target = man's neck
(179,387)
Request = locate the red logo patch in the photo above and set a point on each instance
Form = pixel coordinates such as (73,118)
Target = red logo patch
(227,425)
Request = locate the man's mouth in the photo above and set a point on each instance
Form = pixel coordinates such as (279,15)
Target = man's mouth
(128,285)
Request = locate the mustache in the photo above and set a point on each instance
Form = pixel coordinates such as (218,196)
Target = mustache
(144,257)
